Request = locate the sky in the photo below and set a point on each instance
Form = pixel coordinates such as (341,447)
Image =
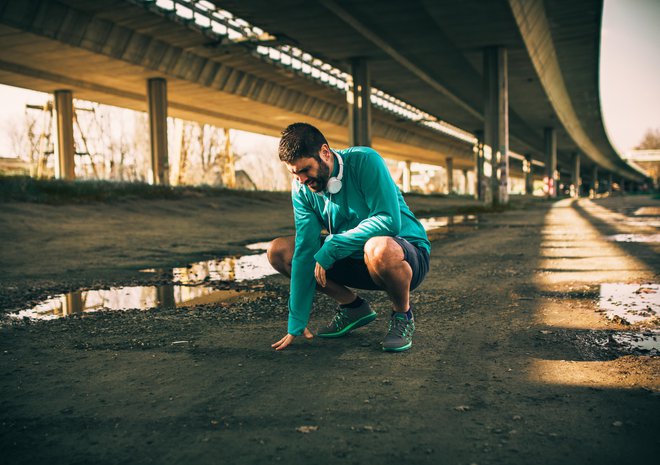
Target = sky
(630,70)
(629,76)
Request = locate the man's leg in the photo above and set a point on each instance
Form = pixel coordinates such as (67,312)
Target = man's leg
(280,255)
(353,312)
(387,266)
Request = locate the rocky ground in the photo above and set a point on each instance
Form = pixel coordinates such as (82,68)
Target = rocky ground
(513,363)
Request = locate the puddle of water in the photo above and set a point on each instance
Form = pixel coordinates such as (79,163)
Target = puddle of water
(123,298)
(647,341)
(236,269)
(186,291)
(634,238)
(239,269)
(632,303)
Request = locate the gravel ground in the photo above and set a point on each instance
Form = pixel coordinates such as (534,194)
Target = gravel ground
(512,361)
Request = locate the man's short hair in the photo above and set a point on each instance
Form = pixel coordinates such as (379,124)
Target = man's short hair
(300,140)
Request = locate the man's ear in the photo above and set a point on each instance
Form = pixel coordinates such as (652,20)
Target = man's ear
(326,153)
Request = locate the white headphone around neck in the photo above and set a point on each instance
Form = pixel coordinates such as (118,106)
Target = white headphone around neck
(334,183)
(333,187)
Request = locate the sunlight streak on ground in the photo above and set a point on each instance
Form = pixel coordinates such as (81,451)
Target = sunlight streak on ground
(576,259)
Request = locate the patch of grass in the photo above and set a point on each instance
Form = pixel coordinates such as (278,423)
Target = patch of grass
(54,191)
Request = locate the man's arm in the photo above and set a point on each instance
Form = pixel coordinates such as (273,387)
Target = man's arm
(303,284)
(381,195)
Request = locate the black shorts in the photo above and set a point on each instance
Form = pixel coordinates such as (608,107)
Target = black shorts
(353,272)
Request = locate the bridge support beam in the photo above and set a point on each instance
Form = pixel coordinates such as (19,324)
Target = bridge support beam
(64,146)
(157,103)
(358,98)
(529,175)
(450,175)
(480,178)
(610,180)
(576,181)
(406,176)
(595,185)
(496,120)
(550,138)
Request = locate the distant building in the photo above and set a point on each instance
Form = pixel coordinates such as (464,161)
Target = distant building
(647,160)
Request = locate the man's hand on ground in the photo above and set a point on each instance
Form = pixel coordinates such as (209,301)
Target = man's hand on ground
(288,339)
(319,274)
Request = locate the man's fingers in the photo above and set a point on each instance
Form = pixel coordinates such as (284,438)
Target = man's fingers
(279,342)
(287,341)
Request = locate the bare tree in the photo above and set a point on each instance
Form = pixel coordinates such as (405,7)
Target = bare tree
(651,140)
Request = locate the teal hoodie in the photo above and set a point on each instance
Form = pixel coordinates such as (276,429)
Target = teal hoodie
(369,204)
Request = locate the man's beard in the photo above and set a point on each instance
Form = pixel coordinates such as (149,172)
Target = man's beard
(320,182)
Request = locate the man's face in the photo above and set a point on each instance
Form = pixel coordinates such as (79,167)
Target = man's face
(312,172)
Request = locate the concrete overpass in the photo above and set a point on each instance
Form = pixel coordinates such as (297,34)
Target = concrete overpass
(464,63)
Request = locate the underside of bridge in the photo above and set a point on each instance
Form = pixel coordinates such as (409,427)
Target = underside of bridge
(428,53)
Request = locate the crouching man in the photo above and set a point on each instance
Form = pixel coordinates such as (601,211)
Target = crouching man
(374,240)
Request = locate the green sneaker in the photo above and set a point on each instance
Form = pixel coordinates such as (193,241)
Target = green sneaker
(348,319)
(399,335)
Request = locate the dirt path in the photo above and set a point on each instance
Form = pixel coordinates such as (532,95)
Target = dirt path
(511,363)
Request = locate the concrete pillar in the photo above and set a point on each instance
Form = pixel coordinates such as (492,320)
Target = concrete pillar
(466,189)
(550,136)
(576,180)
(595,184)
(496,120)
(529,174)
(480,181)
(229,174)
(610,180)
(65,168)
(450,175)
(406,175)
(157,102)
(358,98)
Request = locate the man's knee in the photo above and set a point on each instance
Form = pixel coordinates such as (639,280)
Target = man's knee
(382,251)
(279,252)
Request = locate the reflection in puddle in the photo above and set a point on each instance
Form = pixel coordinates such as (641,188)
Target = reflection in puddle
(630,303)
(634,238)
(236,269)
(123,298)
(229,269)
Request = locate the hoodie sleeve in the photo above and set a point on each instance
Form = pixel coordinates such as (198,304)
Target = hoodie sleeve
(381,196)
(303,283)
